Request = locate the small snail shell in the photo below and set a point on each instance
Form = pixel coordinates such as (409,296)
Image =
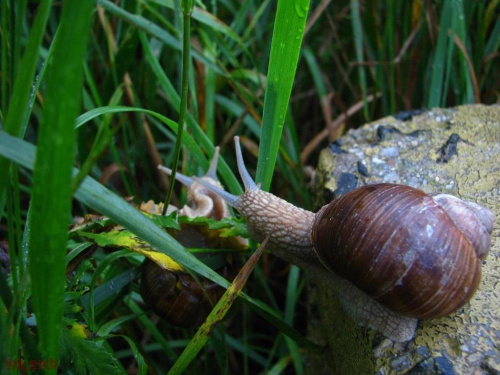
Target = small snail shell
(201,201)
(177,297)
(397,244)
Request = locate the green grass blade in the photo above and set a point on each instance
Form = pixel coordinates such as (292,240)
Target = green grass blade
(493,43)
(206,18)
(187,8)
(441,56)
(467,88)
(22,85)
(198,134)
(292,296)
(99,198)
(51,199)
(288,32)
(194,147)
(357,29)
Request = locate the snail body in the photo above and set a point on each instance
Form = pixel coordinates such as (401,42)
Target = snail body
(417,255)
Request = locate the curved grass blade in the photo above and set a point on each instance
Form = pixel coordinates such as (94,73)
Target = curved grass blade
(203,140)
(187,8)
(443,54)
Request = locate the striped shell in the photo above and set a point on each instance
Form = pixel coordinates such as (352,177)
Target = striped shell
(402,248)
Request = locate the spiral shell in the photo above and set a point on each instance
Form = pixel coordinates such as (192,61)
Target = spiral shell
(401,247)
(177,297)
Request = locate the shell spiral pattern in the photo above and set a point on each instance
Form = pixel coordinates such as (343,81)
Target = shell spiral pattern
(399,246)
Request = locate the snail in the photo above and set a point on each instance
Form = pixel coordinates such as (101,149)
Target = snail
(178,297)
(393,253)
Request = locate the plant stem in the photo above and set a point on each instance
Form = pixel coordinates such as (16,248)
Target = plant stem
(186,11)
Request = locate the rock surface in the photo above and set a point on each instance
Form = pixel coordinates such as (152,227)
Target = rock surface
(454,151)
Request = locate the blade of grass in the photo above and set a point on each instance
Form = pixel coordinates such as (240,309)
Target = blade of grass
(357,29)
(465,66)
(27,339)
(22,87)
(163,342)
(201,160)
(152,29)
(441,56)
(288,32)
(292,295)
(99,198)
(187,8)
(51,199)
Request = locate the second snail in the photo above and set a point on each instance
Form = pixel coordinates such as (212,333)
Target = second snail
(176,296)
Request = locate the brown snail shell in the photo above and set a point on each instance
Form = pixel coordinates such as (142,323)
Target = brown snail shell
(402,248)
(177,297)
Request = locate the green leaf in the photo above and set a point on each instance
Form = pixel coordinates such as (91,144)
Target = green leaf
(51,200)
(442,57)
(79,355)
(231,226)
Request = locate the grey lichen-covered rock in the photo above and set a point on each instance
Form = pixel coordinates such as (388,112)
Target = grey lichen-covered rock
(454,151)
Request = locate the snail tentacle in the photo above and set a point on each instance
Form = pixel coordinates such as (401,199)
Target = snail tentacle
(203,202)
(212,170)
(185,180)
(188,181)
(245,176)
(231,199)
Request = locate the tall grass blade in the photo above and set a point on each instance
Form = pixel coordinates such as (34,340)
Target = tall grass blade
(288,32)
(442,55)
(357,29)
(187,8)
(22,86)
(202,139)
(217,314)
(51,200)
